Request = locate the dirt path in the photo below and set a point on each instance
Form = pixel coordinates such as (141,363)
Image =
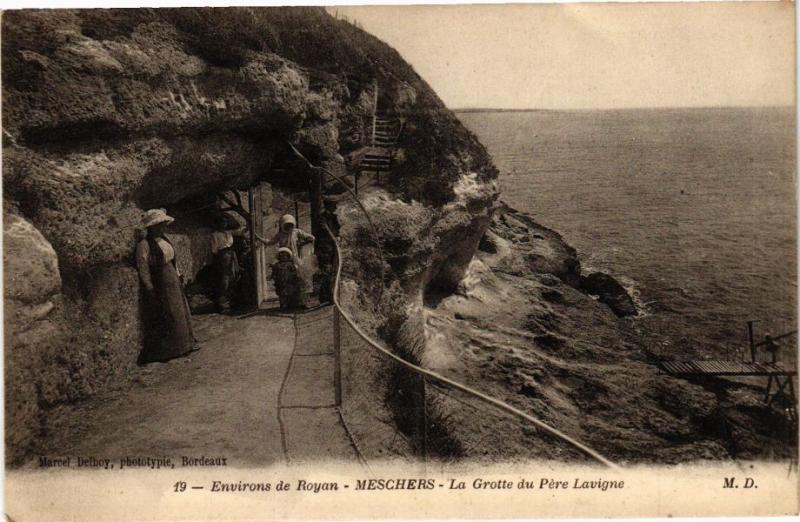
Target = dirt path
(221,401)
(312,426)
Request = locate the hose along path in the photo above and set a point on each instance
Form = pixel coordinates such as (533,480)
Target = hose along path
(428,374)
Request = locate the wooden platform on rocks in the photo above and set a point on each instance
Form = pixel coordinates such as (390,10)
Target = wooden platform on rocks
(711,368)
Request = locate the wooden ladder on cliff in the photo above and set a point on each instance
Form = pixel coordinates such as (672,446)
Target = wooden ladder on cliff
(385,134)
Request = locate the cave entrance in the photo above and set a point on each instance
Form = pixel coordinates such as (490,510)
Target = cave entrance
(257,208)
(261,208)
(252,213)
(288,187)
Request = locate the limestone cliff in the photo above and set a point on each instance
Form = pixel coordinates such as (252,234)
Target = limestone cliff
(110,112)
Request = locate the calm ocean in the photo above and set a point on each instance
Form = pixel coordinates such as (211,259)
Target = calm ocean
(693,209)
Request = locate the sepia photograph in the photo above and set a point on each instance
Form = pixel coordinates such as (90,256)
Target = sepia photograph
(509,260)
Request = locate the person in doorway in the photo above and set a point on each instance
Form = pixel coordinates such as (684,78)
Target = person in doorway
(244,290)
(291,237)
(226,266)
(288,283)
(168,328)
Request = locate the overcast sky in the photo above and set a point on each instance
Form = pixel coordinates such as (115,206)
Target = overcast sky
(594,55)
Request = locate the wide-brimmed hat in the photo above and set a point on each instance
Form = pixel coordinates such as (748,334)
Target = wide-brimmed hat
(154,216)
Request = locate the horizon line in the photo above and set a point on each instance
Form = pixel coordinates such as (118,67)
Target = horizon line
(658,107)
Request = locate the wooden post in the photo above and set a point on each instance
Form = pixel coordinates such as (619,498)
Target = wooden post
(315,202)
(251,203)
(337,340)
(296,212)
(751,337)
(771,347)
(769,389)
(355,179)
(337,356)
(420,416)
(793,399)
(375,111)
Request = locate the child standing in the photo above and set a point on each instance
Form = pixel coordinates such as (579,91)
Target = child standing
(288,282)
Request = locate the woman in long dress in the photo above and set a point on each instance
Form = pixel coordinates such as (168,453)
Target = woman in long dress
(168,328)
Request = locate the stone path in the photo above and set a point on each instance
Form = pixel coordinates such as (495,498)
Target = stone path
(259,392)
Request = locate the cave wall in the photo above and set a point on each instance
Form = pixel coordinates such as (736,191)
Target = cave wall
(32,283)
(107,113)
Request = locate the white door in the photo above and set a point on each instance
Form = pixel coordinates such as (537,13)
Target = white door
(258,214)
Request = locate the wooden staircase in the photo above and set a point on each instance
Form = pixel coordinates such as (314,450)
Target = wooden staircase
(385,131)
(385,134)
(377,159)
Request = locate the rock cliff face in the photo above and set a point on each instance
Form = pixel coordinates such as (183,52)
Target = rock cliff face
(111,112)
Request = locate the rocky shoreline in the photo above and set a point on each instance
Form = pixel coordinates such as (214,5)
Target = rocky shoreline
(525,325)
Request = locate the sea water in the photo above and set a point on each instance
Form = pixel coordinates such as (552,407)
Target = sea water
(692,209)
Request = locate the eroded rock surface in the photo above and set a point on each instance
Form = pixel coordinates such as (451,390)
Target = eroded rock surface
(32,284)
(523,332)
